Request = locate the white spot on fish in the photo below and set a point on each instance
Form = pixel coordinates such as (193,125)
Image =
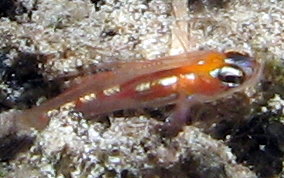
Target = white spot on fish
(87,98)
(190,76)
(202,62)
(143,86)
(168,81)
(111,91)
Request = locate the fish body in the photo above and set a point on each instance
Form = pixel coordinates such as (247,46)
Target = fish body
(203,75)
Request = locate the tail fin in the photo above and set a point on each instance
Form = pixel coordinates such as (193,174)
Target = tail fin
(19,120)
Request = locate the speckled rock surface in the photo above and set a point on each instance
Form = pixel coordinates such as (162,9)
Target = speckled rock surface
(72,35)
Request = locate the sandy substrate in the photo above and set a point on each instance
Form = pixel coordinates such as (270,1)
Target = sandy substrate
(76,34)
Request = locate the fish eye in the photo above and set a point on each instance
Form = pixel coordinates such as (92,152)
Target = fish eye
(241,60)
(231,76)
